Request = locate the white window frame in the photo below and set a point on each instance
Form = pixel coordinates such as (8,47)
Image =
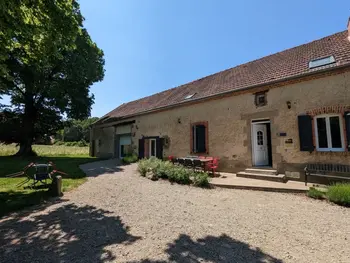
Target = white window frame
(150,147)
(329,135)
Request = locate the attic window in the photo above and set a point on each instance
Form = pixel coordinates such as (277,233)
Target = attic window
(321,62)
(260,99)
(189,96)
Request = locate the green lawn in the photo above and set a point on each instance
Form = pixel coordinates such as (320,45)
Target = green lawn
(67,159)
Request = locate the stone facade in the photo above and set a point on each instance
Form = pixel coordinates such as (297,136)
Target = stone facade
(229,125)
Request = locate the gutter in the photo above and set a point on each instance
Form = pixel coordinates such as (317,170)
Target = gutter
(231,91)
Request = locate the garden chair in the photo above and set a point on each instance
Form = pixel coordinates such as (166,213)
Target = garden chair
(197,165)
(213,165)
(181,161)
(188,163)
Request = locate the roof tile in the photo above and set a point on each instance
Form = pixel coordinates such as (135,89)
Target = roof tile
(288,63)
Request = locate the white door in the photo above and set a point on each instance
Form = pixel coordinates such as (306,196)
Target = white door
(259,140)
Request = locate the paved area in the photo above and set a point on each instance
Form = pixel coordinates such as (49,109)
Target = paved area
(118,216)
(229,180)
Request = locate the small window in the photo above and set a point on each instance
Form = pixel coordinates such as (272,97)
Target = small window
(329,133)
(199,137)
(260,138)
(260,99)
(321,62)
(189,96)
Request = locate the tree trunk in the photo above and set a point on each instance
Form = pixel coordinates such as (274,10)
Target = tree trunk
(25,148)
(27,133)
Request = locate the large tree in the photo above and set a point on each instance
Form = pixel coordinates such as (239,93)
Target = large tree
(50,63)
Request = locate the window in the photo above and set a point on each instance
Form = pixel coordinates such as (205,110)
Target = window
(260,99)
(199,138)
(321,62)
(189,96)
(329,133)
(260,138)
(125,147)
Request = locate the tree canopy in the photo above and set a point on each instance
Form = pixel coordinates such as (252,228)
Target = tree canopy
(76,130)
(49,63)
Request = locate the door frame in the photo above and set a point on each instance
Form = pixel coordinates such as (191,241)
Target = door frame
(268,136)
(150,147)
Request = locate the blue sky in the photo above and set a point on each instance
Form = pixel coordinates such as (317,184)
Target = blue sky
(154,45)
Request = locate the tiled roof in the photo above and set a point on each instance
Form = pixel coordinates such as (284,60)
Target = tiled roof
(286,64)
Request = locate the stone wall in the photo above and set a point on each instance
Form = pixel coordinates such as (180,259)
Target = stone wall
(229,124)
(105,136)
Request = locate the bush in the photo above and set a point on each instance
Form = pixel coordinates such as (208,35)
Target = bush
(130,159)
(59,143)
(142,167)
(163,169)
(315,193)
(175,173)
(201,179)
(179,175)
(82,143)
(339,193)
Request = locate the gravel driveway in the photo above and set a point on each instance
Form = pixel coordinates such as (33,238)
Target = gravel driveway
(119,216)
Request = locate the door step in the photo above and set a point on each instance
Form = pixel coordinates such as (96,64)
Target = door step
(262,176)
(267,171)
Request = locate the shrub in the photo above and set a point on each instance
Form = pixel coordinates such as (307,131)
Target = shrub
(201,179)
(315,193)
(82,143)
(167,170)
(180,175)
(339,193)
(130,159)
(163,169)
(142,167)
(59,143)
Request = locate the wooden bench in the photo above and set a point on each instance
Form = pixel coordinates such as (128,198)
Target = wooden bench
(332,171)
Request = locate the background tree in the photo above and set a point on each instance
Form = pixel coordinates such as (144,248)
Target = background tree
(76,130)
(50,63)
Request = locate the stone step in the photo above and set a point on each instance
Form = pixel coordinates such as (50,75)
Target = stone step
(267,177)
(261,171)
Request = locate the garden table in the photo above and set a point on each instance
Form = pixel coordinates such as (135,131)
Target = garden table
(196,158)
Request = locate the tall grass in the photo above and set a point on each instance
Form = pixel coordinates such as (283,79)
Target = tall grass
(339,193)
(47,150)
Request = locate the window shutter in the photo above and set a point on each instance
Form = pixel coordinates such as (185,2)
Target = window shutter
(141,148)
(159,146)
(305,133)
(347,128)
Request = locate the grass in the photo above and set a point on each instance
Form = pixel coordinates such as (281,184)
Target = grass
(339,193)
(315,193)
(13,198)
(46,150)
(130,159)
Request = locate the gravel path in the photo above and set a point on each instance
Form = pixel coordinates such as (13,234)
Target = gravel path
(119,216)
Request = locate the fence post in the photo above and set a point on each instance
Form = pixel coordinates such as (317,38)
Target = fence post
(56,187)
